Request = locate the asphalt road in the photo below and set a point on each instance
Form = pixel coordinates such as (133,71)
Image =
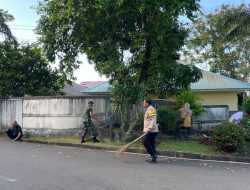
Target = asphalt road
(25,166)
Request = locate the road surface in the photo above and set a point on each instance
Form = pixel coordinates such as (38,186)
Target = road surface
(26,166)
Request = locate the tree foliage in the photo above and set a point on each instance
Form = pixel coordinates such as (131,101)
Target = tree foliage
(125,100)
(142,36)
(4,28)
(134,43)
(246,104)
(193,98)
(167,119)
(222,40)
(24,71)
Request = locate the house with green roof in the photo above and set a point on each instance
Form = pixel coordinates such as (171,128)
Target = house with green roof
(215,89)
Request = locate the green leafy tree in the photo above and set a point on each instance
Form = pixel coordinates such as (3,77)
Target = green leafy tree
(126,97)
(141,35)
(138,40)
(222,40)
(237,23)
(246,104)
(24,71)
(193,98)
(4,28)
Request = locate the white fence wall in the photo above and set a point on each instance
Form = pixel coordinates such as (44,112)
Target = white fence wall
(10,110)
(50,113)
(212,117)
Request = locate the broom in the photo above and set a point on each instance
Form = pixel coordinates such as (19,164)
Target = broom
(121,151)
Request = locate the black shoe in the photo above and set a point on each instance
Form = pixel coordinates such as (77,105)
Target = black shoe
(96,141)
(147,160)
(152,161)
(83,141)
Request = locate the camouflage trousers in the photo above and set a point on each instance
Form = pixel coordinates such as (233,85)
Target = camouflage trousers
(88,125)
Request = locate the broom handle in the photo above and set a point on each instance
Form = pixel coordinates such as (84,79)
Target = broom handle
(138,138)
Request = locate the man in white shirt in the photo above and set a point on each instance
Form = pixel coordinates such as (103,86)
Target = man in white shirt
(151,128)
(238,116)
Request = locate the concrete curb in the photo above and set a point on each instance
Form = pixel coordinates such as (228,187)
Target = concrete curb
(141,151)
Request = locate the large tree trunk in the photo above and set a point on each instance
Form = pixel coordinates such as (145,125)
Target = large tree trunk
(144,73)
(123,121)
(146,63)
(135,119)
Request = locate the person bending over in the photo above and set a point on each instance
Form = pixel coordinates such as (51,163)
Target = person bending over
(15,132)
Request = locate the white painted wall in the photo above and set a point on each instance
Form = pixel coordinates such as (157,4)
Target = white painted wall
(10,110)
(53,113)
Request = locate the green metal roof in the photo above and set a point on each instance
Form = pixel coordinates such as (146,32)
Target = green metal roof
(209,82)
(99,88)
(216,82)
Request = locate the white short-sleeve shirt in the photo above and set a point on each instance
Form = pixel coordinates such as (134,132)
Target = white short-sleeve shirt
(235,118)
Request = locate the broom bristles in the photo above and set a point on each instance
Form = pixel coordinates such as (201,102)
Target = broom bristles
(123,149)
(127,146)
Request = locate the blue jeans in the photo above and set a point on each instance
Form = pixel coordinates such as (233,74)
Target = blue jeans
(149,143)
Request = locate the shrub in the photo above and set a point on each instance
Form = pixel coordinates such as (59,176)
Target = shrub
(167,119)
(246,104)
(192,98)
(228,136)
(245,123)
(139,123)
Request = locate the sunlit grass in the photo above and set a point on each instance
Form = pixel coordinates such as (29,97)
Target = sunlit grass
(186,146)
(190,146)
(169,145)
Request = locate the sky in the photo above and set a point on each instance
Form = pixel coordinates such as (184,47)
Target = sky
(26,20)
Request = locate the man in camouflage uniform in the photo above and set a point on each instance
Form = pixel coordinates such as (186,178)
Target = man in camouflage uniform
(151,128)
(88,114)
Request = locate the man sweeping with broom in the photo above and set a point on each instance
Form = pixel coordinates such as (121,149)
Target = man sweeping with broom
(151,130)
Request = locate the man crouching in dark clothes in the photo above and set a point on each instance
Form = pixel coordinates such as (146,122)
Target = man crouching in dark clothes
(15,132)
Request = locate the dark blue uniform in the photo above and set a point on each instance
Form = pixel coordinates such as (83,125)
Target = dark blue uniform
(13,132)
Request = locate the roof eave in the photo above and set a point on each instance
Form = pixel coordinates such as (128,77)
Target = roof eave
(221,90)
(96,93)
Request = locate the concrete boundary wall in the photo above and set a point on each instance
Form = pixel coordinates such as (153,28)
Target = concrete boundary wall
(51,114)
(213,116)
(63,115)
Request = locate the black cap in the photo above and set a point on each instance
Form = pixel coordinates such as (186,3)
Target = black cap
(91,102)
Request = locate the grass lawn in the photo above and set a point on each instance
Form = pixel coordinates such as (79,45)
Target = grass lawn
(191,146)
(73,140)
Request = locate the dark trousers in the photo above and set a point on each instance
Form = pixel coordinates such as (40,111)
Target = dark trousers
(89,126)
(12,135)
(149,143)
(182,131)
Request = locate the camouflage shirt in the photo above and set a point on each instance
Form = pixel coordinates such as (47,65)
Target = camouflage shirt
(87,114)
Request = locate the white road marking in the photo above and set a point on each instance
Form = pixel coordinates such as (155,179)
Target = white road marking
(231,162)
(7,179)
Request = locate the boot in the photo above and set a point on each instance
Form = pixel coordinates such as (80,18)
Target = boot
(95,140)
(152,160)
(83,141)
